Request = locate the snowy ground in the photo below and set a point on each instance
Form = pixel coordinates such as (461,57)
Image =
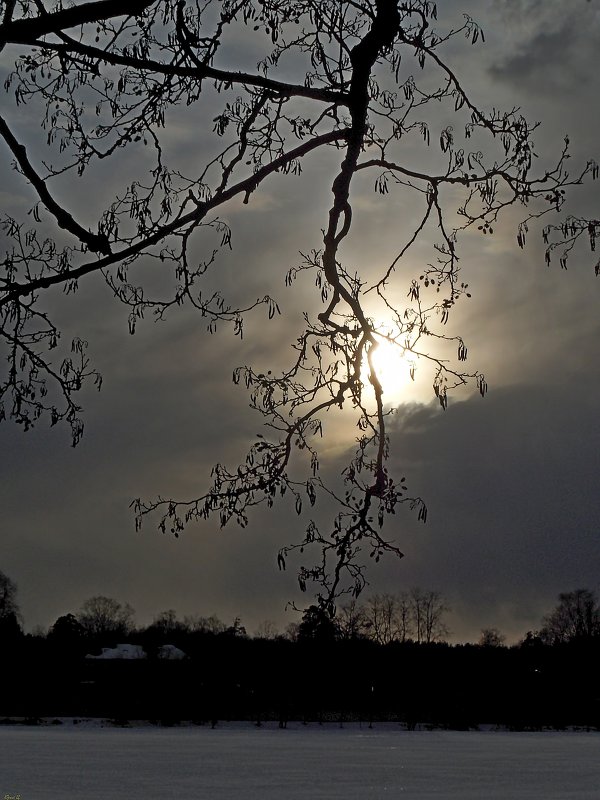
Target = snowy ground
(237,760)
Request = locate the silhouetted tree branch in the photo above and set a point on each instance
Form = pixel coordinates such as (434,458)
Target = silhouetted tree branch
(104,76)
(29,29)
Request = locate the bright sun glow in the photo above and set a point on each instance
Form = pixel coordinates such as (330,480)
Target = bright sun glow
(393,367)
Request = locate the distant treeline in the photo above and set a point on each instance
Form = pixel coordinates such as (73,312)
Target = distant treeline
(228,676)
(372,661)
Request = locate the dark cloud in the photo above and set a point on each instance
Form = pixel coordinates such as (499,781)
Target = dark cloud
(539,62)
(512,487)
(547,48)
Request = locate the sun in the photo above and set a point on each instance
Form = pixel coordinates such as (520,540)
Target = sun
(394,368)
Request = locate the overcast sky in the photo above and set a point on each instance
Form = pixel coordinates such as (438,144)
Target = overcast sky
(512,481)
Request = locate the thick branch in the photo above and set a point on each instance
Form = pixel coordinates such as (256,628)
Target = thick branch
(363,57)
(198,72)
(94,242)
(26,31)
(246,187)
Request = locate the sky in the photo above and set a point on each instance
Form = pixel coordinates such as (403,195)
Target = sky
(511,481)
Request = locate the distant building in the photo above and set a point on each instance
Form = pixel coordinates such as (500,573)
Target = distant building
(126,651)
(167,652)
(171,653)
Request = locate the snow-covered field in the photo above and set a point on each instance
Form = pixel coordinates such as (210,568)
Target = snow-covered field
(237,760)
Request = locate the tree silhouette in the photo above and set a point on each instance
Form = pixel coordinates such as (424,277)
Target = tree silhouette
(388,618)
(105,76)
(428,609)
(10,628)
(105,618)
(575,618)
(351,621)
(491,637)
(8,597)
(67,634)
(317,626)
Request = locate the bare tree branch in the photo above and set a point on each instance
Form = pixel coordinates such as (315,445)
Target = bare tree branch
(364,78)
(29,29)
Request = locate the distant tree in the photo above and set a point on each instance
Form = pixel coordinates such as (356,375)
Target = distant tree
(10,616)
(166,624)
(359,83)
(575,618)
(531,640)
(491,637)
(381,618)
(404,617)
(428,609)
(417,614)
(8,597)
(236,628)
(10,629)
(351,620)
(165,629)
(67,627)
(199,624)
(266,630)
(292,631)
(317,625)
(104,617)
(67,633)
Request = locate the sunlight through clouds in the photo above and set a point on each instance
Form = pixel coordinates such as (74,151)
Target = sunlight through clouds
(395,369)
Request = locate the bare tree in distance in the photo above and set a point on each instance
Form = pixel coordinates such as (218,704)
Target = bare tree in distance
(575,618)
(292,631)
(196,623)
(268,630)
(404,617)
(10,614)
(491,637)
(416,615)
(382,618)
(105,77)
(428,608)
(8,597)
(351,620)
(102,617)
(167,624)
